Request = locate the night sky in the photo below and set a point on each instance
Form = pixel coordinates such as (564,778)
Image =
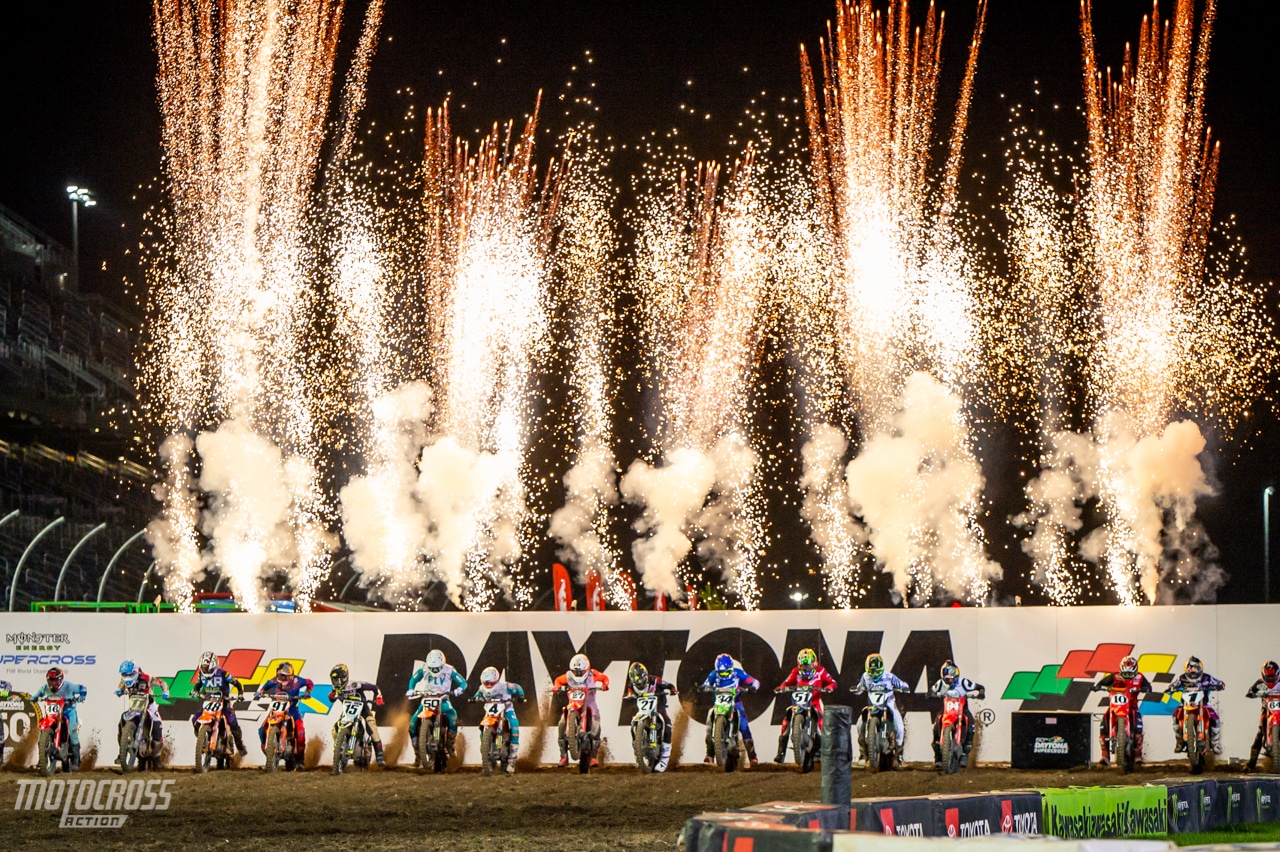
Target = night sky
(78,105)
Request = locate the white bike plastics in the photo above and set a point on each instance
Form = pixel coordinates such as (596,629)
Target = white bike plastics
(135,742)
(882,749)
(351,740)
(646,732)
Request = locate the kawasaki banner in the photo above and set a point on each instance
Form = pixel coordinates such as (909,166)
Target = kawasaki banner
(1082,812)
(1042,660)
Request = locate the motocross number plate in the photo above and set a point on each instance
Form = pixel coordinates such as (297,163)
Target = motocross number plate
(51,708)
(646,704)
(1119,699)
(1273,705)
(724,699)
(352,708)
(578,695)
(801,697)
(213,706)
(879,699)
(431,703)
(139,702)
(1193,699)
(493,708)
(952,705)
(279,705)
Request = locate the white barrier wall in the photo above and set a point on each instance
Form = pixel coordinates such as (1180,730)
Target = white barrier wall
(1010,650)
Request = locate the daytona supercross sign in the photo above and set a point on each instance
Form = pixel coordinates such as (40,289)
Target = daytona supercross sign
(1028,658)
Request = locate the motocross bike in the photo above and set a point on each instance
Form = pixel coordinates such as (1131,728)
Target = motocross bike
(578,729)
(137,749)
(352,739)
(1272,740)
(726,727)
(1122,735)
(281,734)
(954,731)
(1195,727)
(432,751)
(495,738)
(53,745)
(648,728)
(881,736)
(803,726)
(213,739)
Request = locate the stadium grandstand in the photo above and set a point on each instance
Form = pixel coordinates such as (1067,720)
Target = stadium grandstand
(73,497)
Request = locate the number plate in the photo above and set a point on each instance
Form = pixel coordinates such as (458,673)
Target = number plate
(1119,699)
(280,705)
(646,704)
(724,700)
(879,699)
(1273,705)
(801,697)
(952,705)
(352,708)
(1193,699)
(139,702)
(494,708)
(51,708)
(213,707)
(431,703)
(578,695)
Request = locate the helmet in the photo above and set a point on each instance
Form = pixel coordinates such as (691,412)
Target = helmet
(1270,672)
(54,678)
(284,672)
(489,676)
(435,661)
(950,672)
(1195,668)
(875,665)
(208,662)
(129,672)
(580,665)
(1129,666)
(339,676)
(639,677)
(806,660)
(724,665)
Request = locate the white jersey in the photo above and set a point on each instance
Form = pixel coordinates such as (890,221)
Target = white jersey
(963,687)
(886,684)
(498,692)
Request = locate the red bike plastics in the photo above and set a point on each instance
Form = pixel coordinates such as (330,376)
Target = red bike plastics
(1123,737)
(577,725)
(952,738)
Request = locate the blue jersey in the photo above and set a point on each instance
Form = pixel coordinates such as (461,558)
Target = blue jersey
(220,680)
(739,678)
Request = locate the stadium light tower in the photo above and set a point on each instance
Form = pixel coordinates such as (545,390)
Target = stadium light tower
(79,196)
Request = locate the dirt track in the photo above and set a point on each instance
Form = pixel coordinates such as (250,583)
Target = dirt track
(545,809)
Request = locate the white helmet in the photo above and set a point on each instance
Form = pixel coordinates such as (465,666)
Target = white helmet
(489,676)
(208,662)
(580,665)
(435,661)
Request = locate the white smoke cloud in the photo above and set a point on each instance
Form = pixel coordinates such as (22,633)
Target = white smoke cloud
(917,490)
(731,521)
(172,536)
(671,495)
(840,538)
(1147,487)
(590,485)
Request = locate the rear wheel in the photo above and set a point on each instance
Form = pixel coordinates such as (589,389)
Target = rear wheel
(129,747)
(487,750)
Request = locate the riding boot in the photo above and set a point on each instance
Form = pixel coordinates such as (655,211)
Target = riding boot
(782,750)
(1137,748)
(661,765)
(239,741)
(751,752)
(448,741)
(1179,741)
(1105,748)
(1252,765)
(1215,738)
(937,756)
(75,757)
(378,755)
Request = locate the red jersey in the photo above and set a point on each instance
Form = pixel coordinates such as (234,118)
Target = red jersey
(818,679)
(1132,685)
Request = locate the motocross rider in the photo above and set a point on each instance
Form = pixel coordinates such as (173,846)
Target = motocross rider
(209,675)
(877,679)
(639,683)
(296,688)
(1267,686)
(340,680)
(5,689)
(951,682)
(135,681)
(582,676)
(1194,678)
(55,683)
(727,674)
(806,673)
(494,688)
(1132,682)
(438,678)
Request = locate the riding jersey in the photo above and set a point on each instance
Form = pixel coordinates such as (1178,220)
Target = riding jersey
(67,692)
(962,686)
(444,682)
(818,678)
(1260,689)
(1133,685)
(293,688)
(220,680)
(716,681)
(658,688)
(5,689)
(570,682)
(500,691)
(369,692)
(142,685)
(1191,683)
(888,682)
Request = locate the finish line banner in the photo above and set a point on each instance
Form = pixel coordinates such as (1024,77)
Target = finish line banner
(1029,658)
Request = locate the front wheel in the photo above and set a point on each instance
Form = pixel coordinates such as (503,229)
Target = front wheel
(488,752)
(46,760)
(424,740)
(1195,747)
(950,751)
(128,747)
(873,744)
(720,741)
(272,749)
(571,728)
(1123,750)
(640,746)
(340,750)
(202,749)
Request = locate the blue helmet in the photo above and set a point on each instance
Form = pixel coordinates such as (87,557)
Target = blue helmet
(129,672)
(724,665)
